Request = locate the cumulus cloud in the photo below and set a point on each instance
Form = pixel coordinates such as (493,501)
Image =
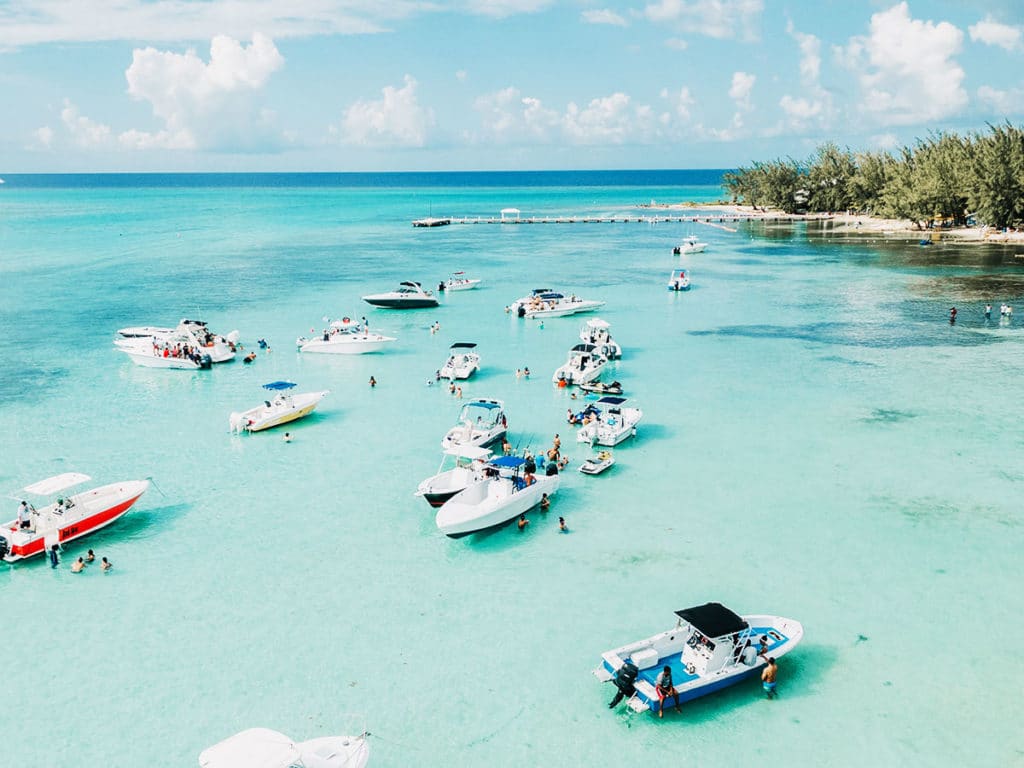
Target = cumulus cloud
(1003,102)
(991,32)
(205,105)
(910,74)
(83,131)
(742,85)
(885,140)
(676,44)
(799,110)
(722,19)
(814,102)
(44,136)
(508,117)
(394,120)
(500,9)
(604,16)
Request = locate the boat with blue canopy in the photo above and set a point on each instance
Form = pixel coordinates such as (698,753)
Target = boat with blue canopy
(709,648)
(283,408)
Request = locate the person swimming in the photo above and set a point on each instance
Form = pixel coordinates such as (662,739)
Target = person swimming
(78,566)
(106,565)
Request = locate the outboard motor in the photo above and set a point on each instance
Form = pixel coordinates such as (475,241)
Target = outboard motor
(205,363)
(624,679)
(3,547)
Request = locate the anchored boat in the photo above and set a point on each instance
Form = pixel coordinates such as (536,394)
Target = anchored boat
(344,337)
(585,364)
(410,295)
(462,363)
(458,282)
(67,518)
(709,648)
(264,748)
(679,280)
(611,423)
(461,466)
(596,331)
(481,422)
(283,408)
(691,245)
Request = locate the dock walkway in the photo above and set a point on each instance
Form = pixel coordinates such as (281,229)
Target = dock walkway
(712,219)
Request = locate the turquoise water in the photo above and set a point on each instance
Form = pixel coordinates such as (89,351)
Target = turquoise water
(818,442)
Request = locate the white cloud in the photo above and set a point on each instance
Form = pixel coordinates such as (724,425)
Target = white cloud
(1004,102)
(909,73)
(742,85)
(722,19)
(204,105)
(814,102)
(461,75)
(810,55)
(83,131)
(991,32)
(499,9)
(508,117)
(604,16)
(44,136)
(885,140)
(680,103)
(800,110)
(676,44)
(608,120)
(395,120)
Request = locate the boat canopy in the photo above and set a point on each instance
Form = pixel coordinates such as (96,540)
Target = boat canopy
(275,385)
(468,451)
(712,620)
(540,291)
(56,483)
(609,400)
(584,348)
(253,748)
(488,404)
(462,345)
(410,283)
(597,322)
(550,295)
(511,462)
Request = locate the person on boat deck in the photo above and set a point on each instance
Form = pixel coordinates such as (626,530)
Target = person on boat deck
(523,522)
(748,655)
(529,465)
(663,685)
(327,336)
(768,678)
(25,511)
(106,565)
(762,645)
(90,556)
(529,479)
(78,566)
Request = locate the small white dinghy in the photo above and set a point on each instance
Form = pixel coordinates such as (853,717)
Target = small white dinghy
(679,280)
(458,282)
(264,748)
(595,465)
(281,410)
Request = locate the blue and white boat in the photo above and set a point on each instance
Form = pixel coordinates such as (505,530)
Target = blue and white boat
(611,421)
(709,648)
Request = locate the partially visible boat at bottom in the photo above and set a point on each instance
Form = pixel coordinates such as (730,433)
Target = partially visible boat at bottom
(709,648)
(283,408)
(509,491)
(265,748)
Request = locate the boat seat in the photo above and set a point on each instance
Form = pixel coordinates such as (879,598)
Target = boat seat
(645,658)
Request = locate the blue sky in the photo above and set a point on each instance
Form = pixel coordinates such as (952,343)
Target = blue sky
(354,85)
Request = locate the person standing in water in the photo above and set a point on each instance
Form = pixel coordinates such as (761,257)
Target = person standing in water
(768,677)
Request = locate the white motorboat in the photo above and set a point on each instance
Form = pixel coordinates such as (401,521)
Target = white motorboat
(458,282)
(461,466)
(585,364)
(66,518)
(611,424)
(462,363)
(544,302)
(508,492)
(708,649)
(481,423)
(597,332)
(264,748)
(430,221)
(410,295)
(149,354)
(283,408)
(679,280)
(344,337)
(690,245)
(595,465)
(193,334)
(603,388)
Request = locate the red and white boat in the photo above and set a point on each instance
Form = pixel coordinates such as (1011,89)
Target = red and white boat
(68,517)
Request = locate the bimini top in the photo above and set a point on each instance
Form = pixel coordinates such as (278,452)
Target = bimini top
(584,348)
(712,619)
(280,385)
(468,451)
(254,748)
(488,404)
(597,322)
(462,345)
(512,462)
(411,284)
(56,483)
(611,400)
(541,291)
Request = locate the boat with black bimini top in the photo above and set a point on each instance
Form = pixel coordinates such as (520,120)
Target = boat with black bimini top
(612,422)
(66,518)
(408,295)
(482,422)
(509,490)
(708,649)
(462,362)
(585,364)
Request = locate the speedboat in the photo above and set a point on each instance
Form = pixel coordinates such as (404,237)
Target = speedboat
(264,748)
(612,423)
(544,302)
(596,331)
(344,337)
(458,282)
(708,649)
(462,363)
(508,491)
(461,466)
(690,245)
(679,280)
(194,334)
(283,408)
(603,388)
(410,295)
(481,422)
(585,364)
(595,465)
(149,353)
(69,517)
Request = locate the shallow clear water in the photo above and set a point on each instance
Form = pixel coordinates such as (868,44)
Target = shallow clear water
(818,442)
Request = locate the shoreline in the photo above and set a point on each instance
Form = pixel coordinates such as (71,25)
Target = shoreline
(857,224)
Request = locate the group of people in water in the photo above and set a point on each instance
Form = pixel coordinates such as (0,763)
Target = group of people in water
(1005,313)
(79,565)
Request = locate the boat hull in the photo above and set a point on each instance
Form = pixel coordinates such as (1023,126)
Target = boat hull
(262,418)
(150,360)
(464,285)
(491,504)
(562,310)
(350,347)
(386,303)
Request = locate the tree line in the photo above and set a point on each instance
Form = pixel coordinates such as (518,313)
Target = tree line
(943,178)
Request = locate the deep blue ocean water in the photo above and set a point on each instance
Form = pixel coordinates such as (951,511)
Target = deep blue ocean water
(818,442)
